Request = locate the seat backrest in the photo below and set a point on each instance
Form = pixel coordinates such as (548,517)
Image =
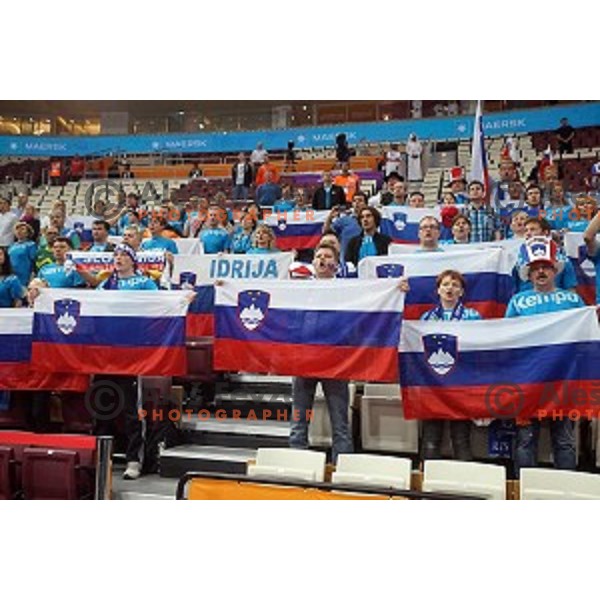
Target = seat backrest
(373,470)
(289,463)
(50,474)
(7,473)
(554,484)
(467,477)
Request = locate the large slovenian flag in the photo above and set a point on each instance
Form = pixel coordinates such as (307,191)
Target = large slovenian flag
(332,329)
(113,332)
(199,272)
(16,370)
(479,166)
(297,230)
(488,277)
(401,223)
(585,270)
(501,368)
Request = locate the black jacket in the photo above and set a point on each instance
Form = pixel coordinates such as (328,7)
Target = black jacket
(338,197)
(247,174)
(380,240)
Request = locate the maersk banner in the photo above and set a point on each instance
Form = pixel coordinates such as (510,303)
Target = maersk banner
(496,124)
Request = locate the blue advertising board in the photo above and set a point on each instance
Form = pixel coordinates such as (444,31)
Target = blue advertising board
(496,124)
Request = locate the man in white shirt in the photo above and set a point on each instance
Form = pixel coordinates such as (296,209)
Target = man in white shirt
(7,223)
(257,158)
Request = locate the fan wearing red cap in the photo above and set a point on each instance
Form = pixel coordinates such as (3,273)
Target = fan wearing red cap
(541,266)
(538,263)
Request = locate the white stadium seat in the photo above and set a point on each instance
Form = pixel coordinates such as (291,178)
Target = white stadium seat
(553,484)
(289,463)
(373,470)
(465,477)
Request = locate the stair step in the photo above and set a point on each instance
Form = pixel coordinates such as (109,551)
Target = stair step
(175,462)
(237,426)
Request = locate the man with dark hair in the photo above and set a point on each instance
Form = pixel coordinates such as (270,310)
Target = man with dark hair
(325,266)
(328,194)
(58,274)
(241,177)
(370,242)
(564,136)
(485,223)
(100,230)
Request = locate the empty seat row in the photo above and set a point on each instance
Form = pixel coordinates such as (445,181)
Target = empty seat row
(439,476)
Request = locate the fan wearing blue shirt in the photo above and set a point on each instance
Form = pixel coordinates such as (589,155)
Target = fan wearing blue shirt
(213,237)
(263,241)
(345,224)
(593,249)
(100,243)
(158,241)
(125,275)
(545,297)
(56,274)
(23,253)
(11,290)
(451,287)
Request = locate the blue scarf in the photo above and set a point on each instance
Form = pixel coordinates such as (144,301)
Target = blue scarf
(437,313)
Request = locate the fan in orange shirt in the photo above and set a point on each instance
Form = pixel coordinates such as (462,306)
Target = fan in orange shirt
(261,175)
(347,180)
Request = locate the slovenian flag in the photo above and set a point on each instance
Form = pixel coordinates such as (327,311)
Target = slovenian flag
(331,329)
(113,332)
(401,223)
(16,370)
(297,230)
(585,270)
(198,272)
(479,166)
(501,368)
(488,276)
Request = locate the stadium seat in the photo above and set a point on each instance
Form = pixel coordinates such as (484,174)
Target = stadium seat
(50,474)
(465,477)
(7,473)
(289,463)
(554,484)
(373,470)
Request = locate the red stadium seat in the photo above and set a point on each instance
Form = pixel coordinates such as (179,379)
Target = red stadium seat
(50,474)
(7,473)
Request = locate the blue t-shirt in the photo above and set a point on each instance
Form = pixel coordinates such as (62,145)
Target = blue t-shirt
(56,276)
(160,243)
(262,250)
(10,290)
(135,282)
(215,240)
(267,194)
(346,227)
(367,247)
(530,302)
(22,259)
(284,206)
(241,242)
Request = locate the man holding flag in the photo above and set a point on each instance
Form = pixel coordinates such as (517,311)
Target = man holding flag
(485,223)
(541,266)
